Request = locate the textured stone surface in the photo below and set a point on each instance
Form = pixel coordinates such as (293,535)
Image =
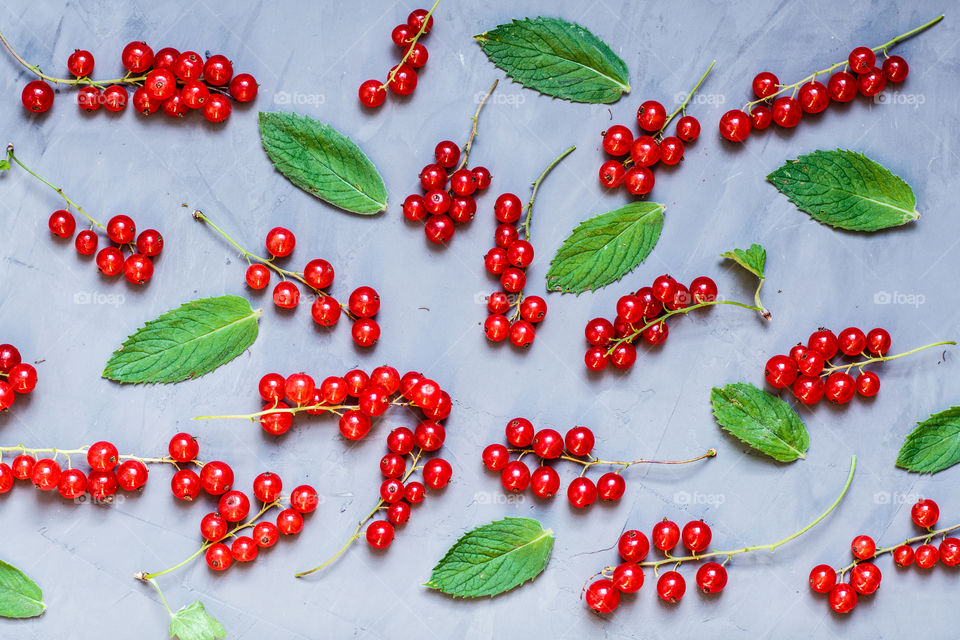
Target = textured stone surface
(54,306)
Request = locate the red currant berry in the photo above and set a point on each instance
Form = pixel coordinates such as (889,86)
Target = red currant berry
(878,341)
(651,115)
(364,302)
(639,180)
(7,479)
(72,484)
(137,57)
(949,551)
(22,377)
(318,273)
(414,208)
(22,466)
(696,535)
(602,596)
(761,116)
(80,63)
(115,98)
(86,242)
(505,235)
(656,333)
(628,577)
(813,97)
(611,487)
(544,482)
(414,492)
(185,484)
(217,108)
(735,125)
(402,35)
(243,87)
(851,341)
(780,371)
(599,332)
(286,295)
(903,555)
(612,173)
(582,492)
(62,224)
(354,425)
(400,441)
(267,487)
(519,433)
(824,342)
(101,485)
(513,279)
(398,513)
(462,208)
(194,94)
(150,243)
(861,59)
(823,578)
(681,299)
(280,242)
(515,476)
(840,387)
(645,151)
(482,176)
(325,310)
(865,578)
(447,154)
(219,557)
(121,229)
(671,586)
(103,456)
(379,534)
(842,87)
(463,183)
(213,527)
(244,549)
(216,477)
(787,111)
(633,546)
(416,20)
(665,535)
(217,70)
(617,140)
(533,309)
(508,208)
(703,289)
(234,506)
(439,229)
(365,332)
(548,444)
(495,457)
(289,522)
(711,577)
(131,475)
(391,490)
(664,288)
(896,69)
(868,384)
(165,58)
(623,356)
(429,435)
(160,84)
(872,82)
(842,598)
(437,201)
(671,150)
(808,389)
(688,128)
(579,441)
(403,79)
(272,387)
(7,395)
(520,253)
(266,534)
(765,84)
(137,268)
(144,103)
(437,473)
(863,547)
(925,513)
(650,305)
(258,276)
(371,93)
(926,555)
(811,364)
(188,66)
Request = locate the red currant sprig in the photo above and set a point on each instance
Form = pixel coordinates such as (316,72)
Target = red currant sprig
(865,576)
(603,596)
(547,444)
(509,259)
(402,79)
(317,276)
(121,230)
(644,313)
(811,96)
(397,491)
(651,147)
(16,377)
(810,374)
(450,187)
(170,80)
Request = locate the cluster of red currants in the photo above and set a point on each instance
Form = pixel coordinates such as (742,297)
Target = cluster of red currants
(544,481)
(170,80)
(373,394)
(810,95)
(397,491)
(637,315)
(603,596)
(448,198)
(646,150)
(402,78)
(810,374)
(121,230)
(865,576)
(234,507)
(15,376)
(363,304)
(509,259)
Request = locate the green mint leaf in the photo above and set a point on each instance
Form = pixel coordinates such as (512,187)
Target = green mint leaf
(4,165)
(192,622)
(493,558)
(189,341)
(558,59)
(753,259)
(603,249)
(846,190)
(323,162)
(20,597)
(760,420)
(934,444)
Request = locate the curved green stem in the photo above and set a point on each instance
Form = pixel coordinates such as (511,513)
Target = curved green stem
(413,41)
(70,203)
(626,465)
(883,48)
(473,130)
(863,363)
(763,547)
(536,186)
(160,593)
(100,84)
(683,106)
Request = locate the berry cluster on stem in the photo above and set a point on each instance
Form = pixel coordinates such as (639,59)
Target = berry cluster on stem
(121,230)
(402,79)
(603,595)
(576,446)
(651,146)
(865,576)
(168,79)
(512,315)
(450,186)
(811,375)
(16,376)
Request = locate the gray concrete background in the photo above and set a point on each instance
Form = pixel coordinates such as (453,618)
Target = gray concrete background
(317,54)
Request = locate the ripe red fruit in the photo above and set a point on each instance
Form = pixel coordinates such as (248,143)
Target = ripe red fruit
(851,341)
(217,108)
(404,79)
(289,522)
(671,586)
(519,432)
(612,173)
(813,97)
(842,87)
(645,151)
(267,487)
(258,276)
(665,535)
(617,140)
(150,243)
(925,513)
(842,598)
(903,555)
(926,556)
(364,302)
(611,487)
(37,96)
(244,549)
(823,578)
(765,84)
(735,125)
(628,577)
(286,295)
(354,425)
(711,577)
(72,484)
(121,229)
(213,527)
(437,473)
(639,180)
(651,115)
(824,342)
(217,70)
(495,457)
(760,116)
(787,111)
(579,441)
(131,475)
(863,547)
(865,578)
(868,384)
(780,371)
(950,551)
(80,63)
(185,484)
(633,546)
(160,84)
(216,477)
(447,154)
(878,341)
(544,482)
(137,57)
(872,82)
(696,535)
(304,499)
(218,557)
(602,596)
(371,93)
(234,506)
(137,268)
(548,444)
(896,69)
(703,289)
(808,389)
(379,534)
(115,98)
(671,150)
(515,476)
(840,387)
(86,242)
(688,128)
(103,456)
(582,492)
(243,87)
(861,59)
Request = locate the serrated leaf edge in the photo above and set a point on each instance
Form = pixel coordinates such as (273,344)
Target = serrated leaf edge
(800,454)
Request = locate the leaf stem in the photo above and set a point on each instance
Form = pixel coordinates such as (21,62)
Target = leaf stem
(160,593)
(863,363)
(536,186)
(356,532)
(637,332)
(413,41)
(473,129)
(100,84)
(284,273)
(683,106)
(925,538)
(70,203)
(768,547)
(882,48)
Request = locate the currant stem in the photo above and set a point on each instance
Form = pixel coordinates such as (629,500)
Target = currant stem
(83,450)
(160,593)
(683,106)
(536,185)
(35,69)
(70,203)
(926,538)
(333,408)
(863,363)
(356,532)
(249,255)
(633,336)
(883,47)
(768,547)
(473,130)
(406,54)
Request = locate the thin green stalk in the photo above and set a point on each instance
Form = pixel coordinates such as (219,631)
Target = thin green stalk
(863,363)
(536,186)
(70,203)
